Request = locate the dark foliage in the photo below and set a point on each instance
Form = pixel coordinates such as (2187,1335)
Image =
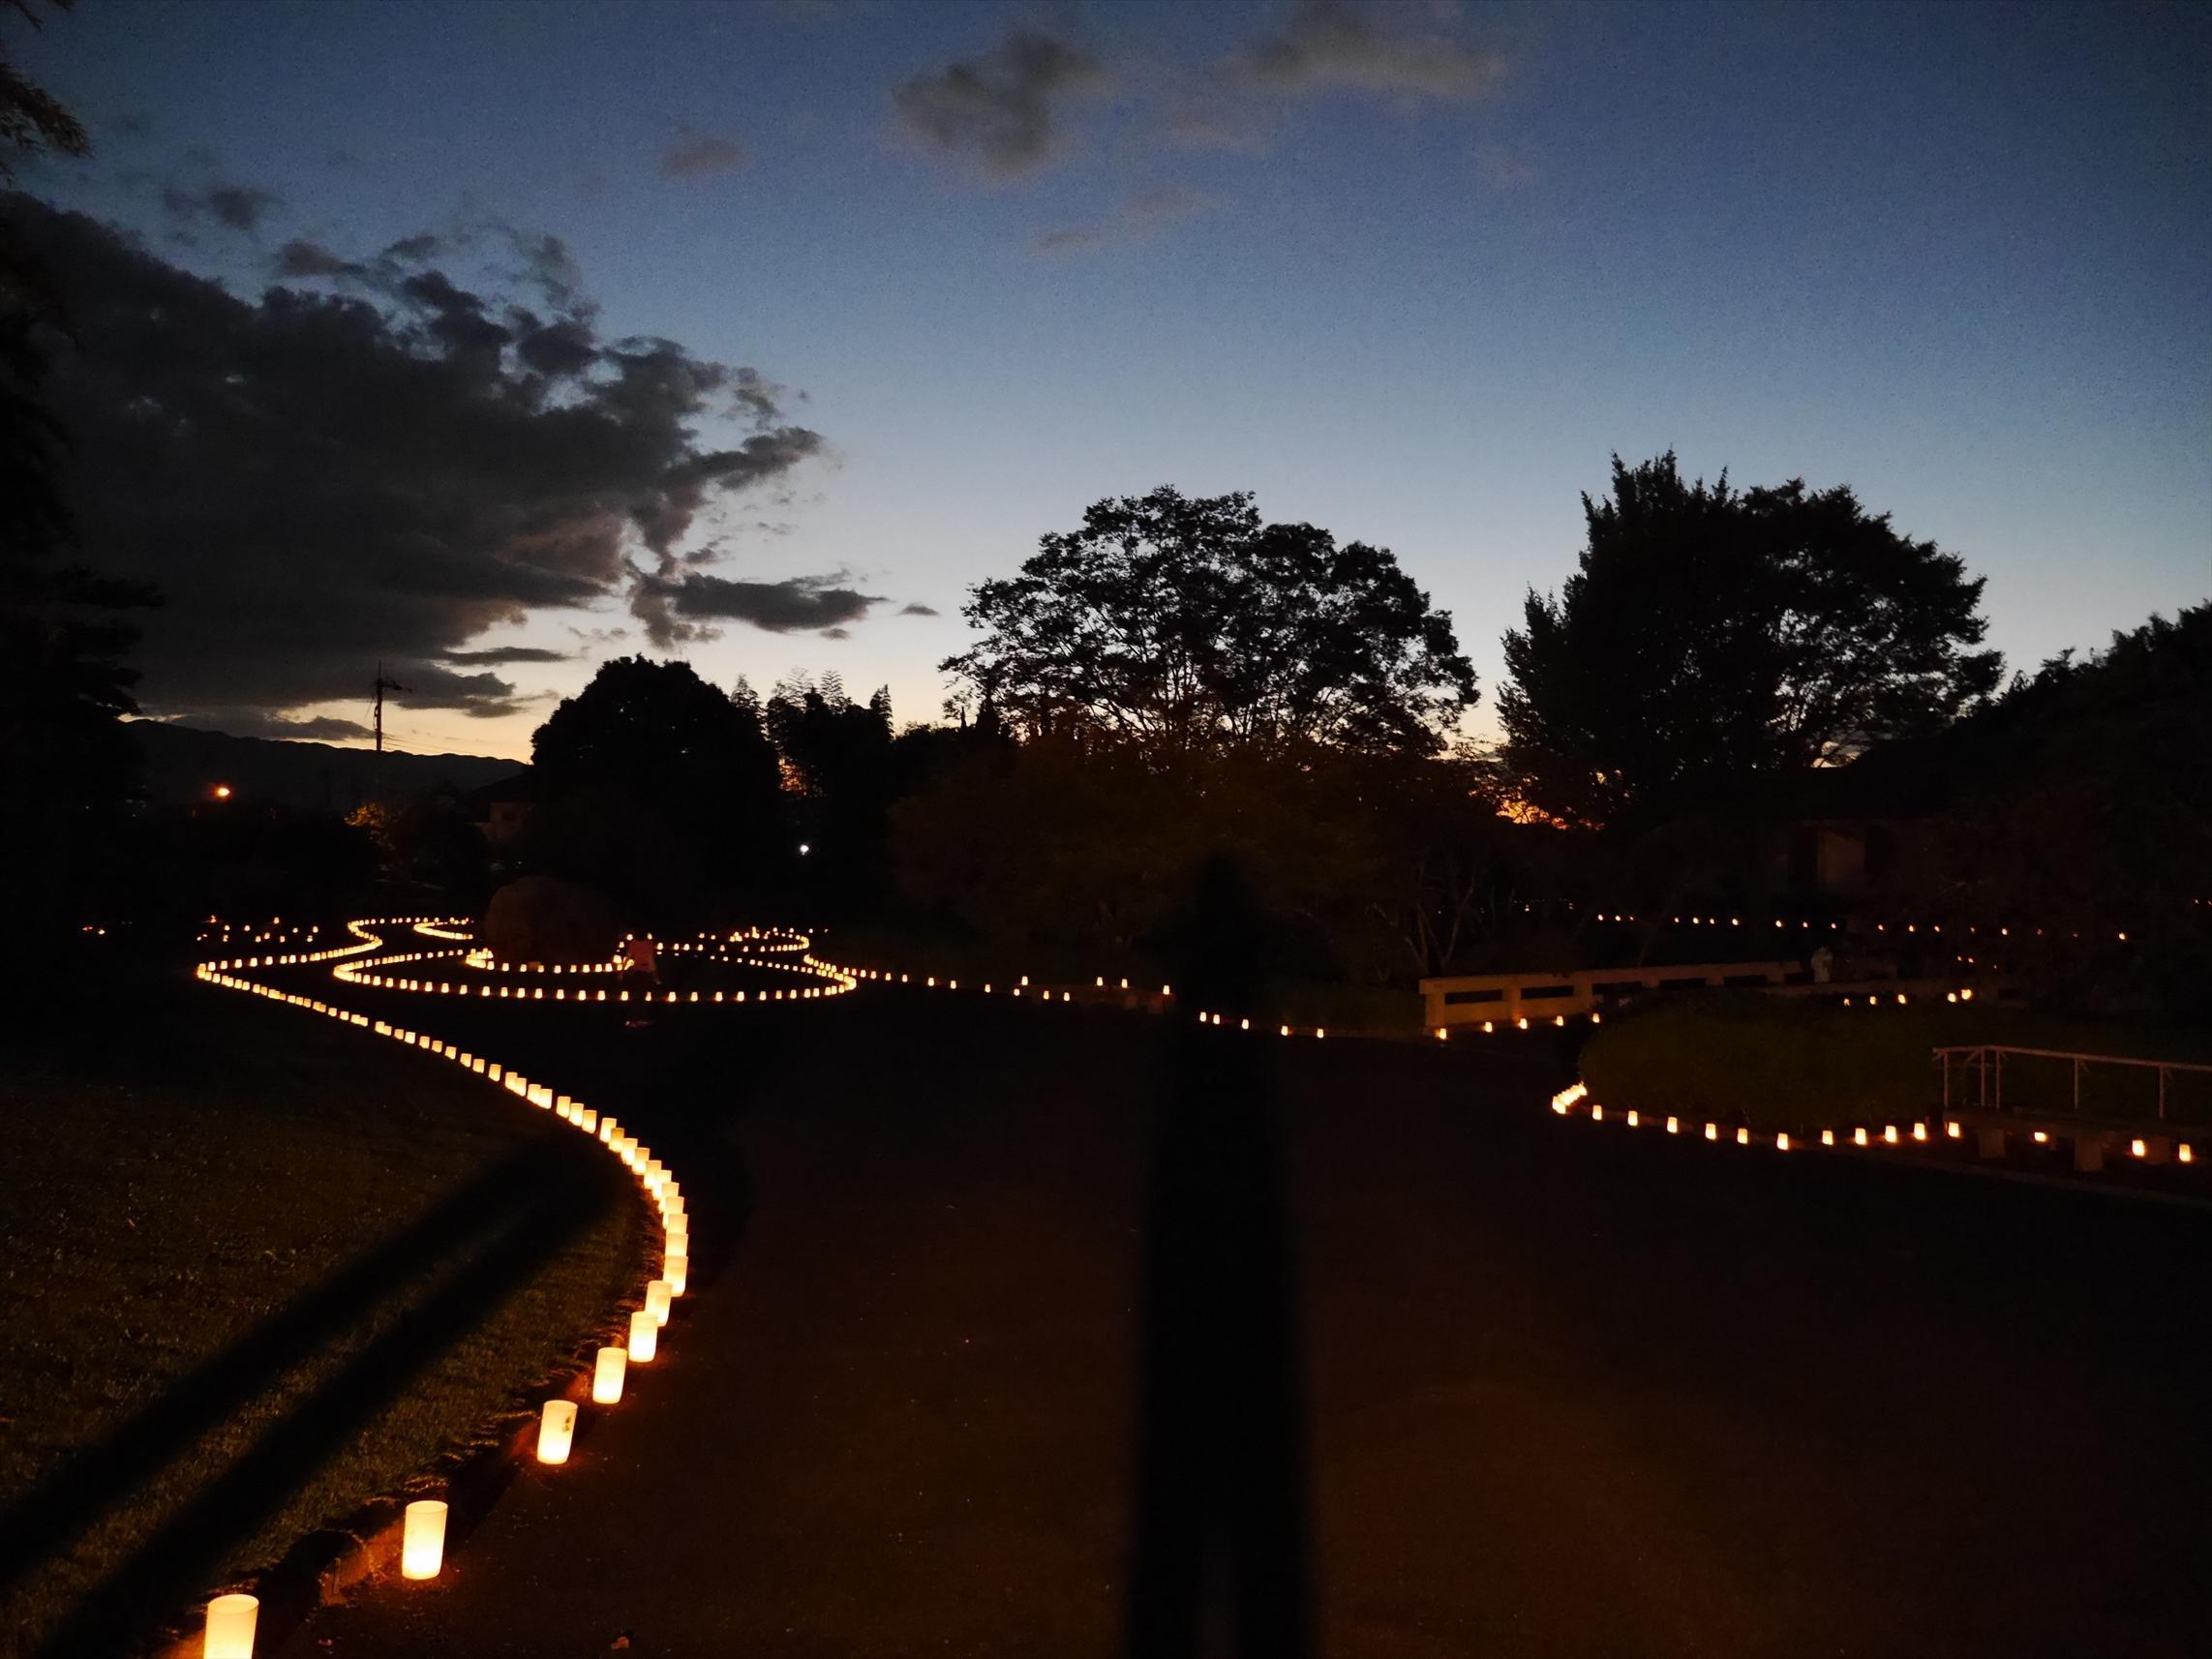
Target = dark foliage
(429,854)
(2086,810)
(64,688)
(841,774)
(661,789)
(1715,641)
(1187,623)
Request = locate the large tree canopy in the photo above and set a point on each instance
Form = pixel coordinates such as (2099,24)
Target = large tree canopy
(661,787)
(1716,639)
(1186,623)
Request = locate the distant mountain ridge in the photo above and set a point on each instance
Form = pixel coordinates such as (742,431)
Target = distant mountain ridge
(185,764)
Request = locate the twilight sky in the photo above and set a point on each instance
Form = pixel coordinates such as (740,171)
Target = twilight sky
(1410,272)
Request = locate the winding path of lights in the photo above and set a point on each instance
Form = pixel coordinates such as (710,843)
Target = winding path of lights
(231,1619)
(470,971)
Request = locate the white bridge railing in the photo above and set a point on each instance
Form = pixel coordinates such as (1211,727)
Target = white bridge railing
(1465,998)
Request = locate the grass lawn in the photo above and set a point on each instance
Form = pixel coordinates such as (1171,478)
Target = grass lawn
(1791,1065)
(253,1274)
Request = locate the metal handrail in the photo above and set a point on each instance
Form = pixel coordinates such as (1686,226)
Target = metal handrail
(1991,1059)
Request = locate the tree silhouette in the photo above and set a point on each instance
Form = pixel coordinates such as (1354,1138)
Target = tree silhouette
(1714,640)
(1187,623)
(63,684)
(840,776)
(661,787)
(2084,806)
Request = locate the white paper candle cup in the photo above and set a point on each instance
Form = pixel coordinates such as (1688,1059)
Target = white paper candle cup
(645,1337)
(231,1621)
(422,1548)
(657,1297)
(607,1377)
(555,1431)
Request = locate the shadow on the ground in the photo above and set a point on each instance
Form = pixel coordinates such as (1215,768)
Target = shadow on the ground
(1218,1560)
(506,1220)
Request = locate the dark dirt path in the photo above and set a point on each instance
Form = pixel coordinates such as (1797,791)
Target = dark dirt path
(1565,1390)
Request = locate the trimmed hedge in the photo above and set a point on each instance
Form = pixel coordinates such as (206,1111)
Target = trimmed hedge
(1790,1064)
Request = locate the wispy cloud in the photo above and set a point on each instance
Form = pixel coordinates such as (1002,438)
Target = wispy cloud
(237,206)
(701,155)
(1147,213)
(676,607)
(1399,55)
(1001,110)
(1335,46)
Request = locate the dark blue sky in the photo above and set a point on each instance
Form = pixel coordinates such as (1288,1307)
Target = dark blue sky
(1411,272)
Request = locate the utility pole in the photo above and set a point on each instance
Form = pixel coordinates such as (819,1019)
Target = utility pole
(383,684)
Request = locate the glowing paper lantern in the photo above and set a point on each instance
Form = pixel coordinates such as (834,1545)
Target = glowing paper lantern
(555,1431)
(231,1621)
(422,1546)
(675,1268)
(657,1297)
(1673,1126)
(645,1337)
(607,1377)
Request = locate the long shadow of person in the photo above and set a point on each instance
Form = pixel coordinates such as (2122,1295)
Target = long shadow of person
(1218,1560)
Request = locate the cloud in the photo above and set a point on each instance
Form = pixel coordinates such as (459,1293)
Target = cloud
(918,609)
(1000,110)
(302,258)
(239,206)
(322,481)
(1144,214)
(504,655)
(1335,46)
(241,722)
(799,603)
(701,155)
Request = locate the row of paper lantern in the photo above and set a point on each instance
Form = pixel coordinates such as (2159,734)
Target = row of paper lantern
(231,1620)
(364,940)
(1972,929)
(1916,1132)
(836,981)
(1046,993)
(1595,1016)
